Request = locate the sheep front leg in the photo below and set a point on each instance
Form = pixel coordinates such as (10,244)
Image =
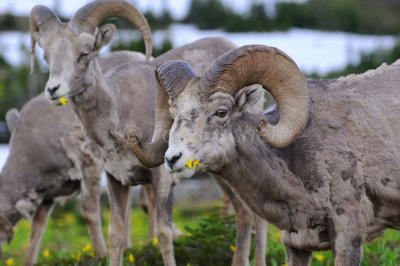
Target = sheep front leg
(244,226)
(164,202)
(147,202)
(39,222)
(90,204)
(296,257)
(119,198)
(260,240)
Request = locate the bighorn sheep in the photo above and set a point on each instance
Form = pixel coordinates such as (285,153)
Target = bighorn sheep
(325,170)
(39,172)
(104,103)
(54,139)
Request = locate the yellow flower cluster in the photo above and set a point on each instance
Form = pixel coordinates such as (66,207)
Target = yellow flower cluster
(76,256)
(192,164)
(232,248)
(87,248)
(62,101)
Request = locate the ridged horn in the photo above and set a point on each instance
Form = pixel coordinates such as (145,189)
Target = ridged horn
(277,73)
(88,17)
(172,77)
(41,19)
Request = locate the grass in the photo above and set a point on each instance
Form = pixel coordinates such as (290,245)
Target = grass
(205,235)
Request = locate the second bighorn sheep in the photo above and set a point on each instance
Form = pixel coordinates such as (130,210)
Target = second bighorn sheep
(325,169)
(119,103)
(48,161)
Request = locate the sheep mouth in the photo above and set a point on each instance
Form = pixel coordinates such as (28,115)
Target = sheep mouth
(182,173)
(59,100)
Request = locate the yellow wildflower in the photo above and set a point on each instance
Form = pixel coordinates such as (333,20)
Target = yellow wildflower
(130,258)
(192,164)
(284,264)
(232,248)
(10,262)
(69,218)
(87,248)
(277,237)
(319,257)
(46,253)
(78,256)
(62,101)
(154,241)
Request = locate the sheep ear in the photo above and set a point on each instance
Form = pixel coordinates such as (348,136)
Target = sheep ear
(12,117)
(104,35)
(248,97)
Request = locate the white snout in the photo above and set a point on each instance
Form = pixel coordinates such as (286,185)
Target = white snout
(56,88)
(176,163)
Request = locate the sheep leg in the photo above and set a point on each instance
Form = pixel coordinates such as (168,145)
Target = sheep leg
(128,241)
(347,249)
(147,202)
(119,197)
(39,222)
(296,257)
(244,226)
(260,240)
(164,202)
(90,208)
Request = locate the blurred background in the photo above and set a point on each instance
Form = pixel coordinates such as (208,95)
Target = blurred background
(326,38)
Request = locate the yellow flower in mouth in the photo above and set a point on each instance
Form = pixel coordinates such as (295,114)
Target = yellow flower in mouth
(62,101)
(192,164)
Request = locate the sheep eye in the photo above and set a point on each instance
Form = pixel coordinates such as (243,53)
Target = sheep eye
(221,113)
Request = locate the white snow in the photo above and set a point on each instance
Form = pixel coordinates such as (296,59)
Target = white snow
(3,154)
(312,50)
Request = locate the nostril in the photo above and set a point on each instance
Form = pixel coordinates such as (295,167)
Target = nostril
(171,161)
(53,90)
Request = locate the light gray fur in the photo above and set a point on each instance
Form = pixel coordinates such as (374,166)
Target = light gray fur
(112,105)
(51,161)
(334,187)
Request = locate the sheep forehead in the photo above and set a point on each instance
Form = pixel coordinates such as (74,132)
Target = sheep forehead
(63,42)
(189,100)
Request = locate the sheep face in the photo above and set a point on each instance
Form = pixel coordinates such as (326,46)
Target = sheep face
(70,58)
(202,137)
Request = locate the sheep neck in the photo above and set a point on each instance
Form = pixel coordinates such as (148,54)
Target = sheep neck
(96,108)
(264,181)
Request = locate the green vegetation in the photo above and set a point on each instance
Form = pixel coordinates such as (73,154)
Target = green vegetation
(207,239)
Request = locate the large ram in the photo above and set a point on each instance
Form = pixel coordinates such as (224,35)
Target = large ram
(113,105)
(324,168)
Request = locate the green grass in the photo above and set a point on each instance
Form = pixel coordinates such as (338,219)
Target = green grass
(206,238)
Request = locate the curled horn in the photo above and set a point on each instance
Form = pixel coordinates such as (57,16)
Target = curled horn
(88,17)
(172,77)
(41,19)
(277,73)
